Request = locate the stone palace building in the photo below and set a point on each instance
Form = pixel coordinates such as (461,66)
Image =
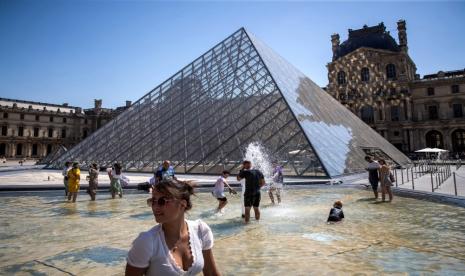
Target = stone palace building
(373,75)
(35,129)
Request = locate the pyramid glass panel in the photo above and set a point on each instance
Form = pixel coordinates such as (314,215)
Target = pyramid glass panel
(204,116)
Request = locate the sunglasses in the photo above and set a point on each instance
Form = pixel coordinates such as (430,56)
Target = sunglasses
(162,201)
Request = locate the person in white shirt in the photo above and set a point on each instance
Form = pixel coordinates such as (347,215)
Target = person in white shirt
(218,191)
(116,177)
(65,171)
(277,183)
(175,246)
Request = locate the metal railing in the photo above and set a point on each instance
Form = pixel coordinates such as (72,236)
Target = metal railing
(438,171)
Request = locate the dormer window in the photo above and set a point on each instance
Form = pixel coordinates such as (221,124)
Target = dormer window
(341,77)
(391,71)
(365,74)
(430,91)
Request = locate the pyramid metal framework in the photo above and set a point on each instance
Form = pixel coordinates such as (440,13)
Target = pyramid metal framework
(240,91)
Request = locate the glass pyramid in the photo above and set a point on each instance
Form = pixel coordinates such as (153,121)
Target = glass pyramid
(240,91)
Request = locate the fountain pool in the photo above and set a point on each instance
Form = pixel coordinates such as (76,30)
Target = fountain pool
(40,234)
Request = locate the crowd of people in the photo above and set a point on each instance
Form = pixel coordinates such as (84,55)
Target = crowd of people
(176,245)
(72,180)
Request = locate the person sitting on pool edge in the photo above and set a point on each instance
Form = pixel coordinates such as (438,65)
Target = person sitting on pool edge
(175,246)
(336,214)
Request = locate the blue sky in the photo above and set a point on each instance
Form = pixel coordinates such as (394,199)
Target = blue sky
(75,51)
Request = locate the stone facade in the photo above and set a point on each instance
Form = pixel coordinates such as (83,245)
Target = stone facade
(34,129)
(374,77)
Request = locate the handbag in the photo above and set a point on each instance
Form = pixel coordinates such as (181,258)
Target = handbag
(391,177)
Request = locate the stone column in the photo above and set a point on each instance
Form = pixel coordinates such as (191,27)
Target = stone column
(29,149)
(409,109)
(446,137)
(13,150)
(383,111)
(412,145)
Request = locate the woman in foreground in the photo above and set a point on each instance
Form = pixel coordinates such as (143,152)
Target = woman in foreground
(175,246)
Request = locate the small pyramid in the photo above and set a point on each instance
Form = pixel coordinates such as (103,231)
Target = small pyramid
(240,91)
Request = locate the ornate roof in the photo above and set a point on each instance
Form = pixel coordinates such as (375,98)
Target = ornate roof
(373,37)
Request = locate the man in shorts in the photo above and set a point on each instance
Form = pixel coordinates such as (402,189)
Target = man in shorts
(218,191)
(254,180)
(373,174)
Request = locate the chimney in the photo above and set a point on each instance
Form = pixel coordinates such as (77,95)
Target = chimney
(97,103)
(402,34)
(335,43)
(128,103)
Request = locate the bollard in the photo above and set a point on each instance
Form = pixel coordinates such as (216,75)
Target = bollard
(413,182)
(455,184)
(432,185)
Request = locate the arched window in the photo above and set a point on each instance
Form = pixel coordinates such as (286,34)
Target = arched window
(391,71)
(341,77)
(458,140)
(434,139)
(365,74)
(367,114)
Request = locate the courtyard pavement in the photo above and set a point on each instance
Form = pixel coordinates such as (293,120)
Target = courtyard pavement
(423,183)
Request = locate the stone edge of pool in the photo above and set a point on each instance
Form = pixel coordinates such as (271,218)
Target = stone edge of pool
(349,181)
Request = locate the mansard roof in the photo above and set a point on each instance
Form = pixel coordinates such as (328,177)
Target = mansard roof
(372,37)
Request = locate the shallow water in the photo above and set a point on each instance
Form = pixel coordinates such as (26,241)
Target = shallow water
(40,234)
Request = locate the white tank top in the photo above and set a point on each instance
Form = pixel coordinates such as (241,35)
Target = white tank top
(149,249)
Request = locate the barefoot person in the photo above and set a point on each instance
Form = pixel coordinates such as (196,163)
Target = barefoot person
(65,171)
(254,180)
(277,183)
(175,246)
(115,180)
(218,191)
(385,180)
(373,174)
(93,181)
(74,178)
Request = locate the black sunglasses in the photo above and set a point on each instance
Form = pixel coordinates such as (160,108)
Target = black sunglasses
(160,202)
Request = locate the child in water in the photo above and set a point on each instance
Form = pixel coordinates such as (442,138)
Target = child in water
(336,214)
(218,191)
